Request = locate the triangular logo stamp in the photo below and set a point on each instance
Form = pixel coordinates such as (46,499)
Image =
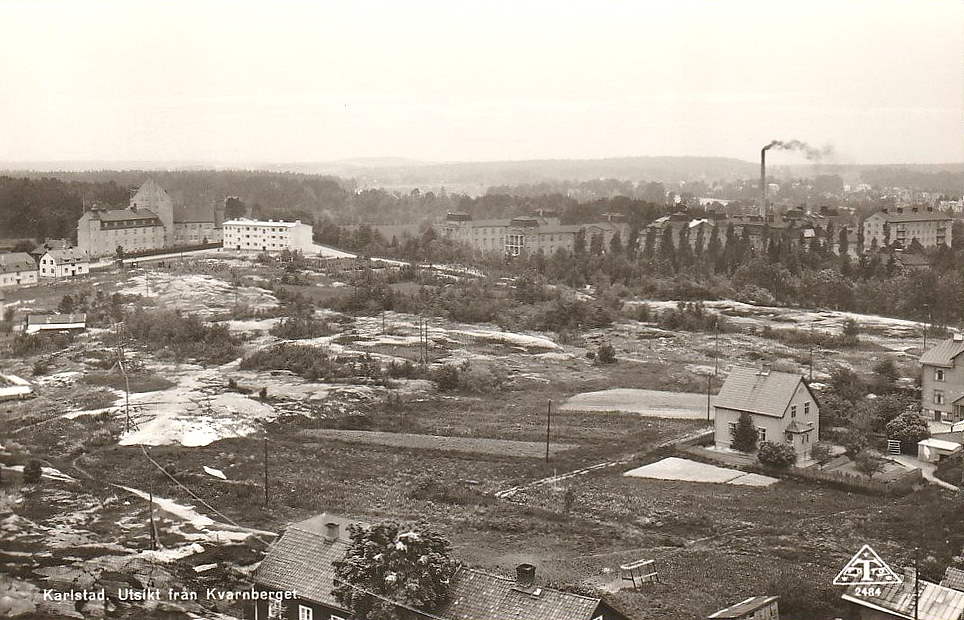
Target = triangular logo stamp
(866,569)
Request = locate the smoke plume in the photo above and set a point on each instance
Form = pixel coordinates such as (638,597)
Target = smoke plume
(810,152)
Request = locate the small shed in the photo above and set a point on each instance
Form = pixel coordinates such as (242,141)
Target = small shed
(935,450)
(56,322)
(13,387)
(753,608)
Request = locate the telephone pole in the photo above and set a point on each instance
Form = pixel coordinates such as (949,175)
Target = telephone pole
(265,466)
(709,380)
(151,512)
(548,423)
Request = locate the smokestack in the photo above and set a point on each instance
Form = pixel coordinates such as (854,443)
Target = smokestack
(525,575)
(763,180)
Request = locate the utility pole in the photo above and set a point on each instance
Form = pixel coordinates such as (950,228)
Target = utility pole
(811,352)
(548,423)
(151,512)
(916,590)
(265,466)
(709,380)
(716,356)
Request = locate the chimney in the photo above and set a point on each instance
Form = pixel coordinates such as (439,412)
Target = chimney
(900,209)
(331,532)
(525,575)
(763,180)
(931,209)
(958,337)
(914,209)
(910,575)
(764,370)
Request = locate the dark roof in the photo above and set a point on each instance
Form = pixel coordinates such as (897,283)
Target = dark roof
(934,602)
(745,607)
(194,213)
(56,319)
(123,215)
(953,578)
(50,244)
(68,255)
(913,216)
(747,389)
(301,559)
(944,353)
(16,261)
(474,595)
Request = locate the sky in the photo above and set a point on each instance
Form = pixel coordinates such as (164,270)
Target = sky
(242,81)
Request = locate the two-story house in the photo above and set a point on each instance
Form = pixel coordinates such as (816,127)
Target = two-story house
(942,380)
(780,404)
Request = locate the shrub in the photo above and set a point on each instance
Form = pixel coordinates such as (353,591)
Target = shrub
(299,327)
(607,354)
(183,335)
(446,377)
(908,428)
(744,434)
(821,452)
(32,472)
(777,455)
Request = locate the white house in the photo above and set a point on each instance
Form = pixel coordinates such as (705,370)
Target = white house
(17,268)
(63,264)
(269,236)
(780,404)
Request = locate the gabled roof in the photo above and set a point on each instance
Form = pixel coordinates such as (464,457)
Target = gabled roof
(50,244)
(150,193)
(944,353)
(953,578)
(743,608)
(934,602)
(747,389)
(301,559)
(68,255)
(56,319)
(123,215)
(474,595)
(16,261)
(194,213)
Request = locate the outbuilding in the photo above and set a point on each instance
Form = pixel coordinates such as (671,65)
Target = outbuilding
(936,450)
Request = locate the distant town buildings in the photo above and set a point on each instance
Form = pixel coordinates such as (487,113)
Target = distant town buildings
(942,380)
(266,236)
(903,225)
(17,268)
(150,222)
(780,405)
(530,234)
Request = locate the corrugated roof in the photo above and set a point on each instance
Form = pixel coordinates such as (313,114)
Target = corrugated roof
(744,607)
(934,602)
(747,389)
(953,578)
(56,319)
(68,255)
(474,595)
(944,353)
(16,261)
(301,560)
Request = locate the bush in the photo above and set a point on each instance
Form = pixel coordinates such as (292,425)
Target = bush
(32,472)
(821,452)
(745,434)
(607,354)
(777,455)
(446,377)
(908,428)
(186,336)
(869,462)
(299,327)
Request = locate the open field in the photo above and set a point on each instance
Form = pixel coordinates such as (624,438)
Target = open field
(403,449)
(495,447)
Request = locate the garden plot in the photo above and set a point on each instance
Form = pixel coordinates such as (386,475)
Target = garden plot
(648,403)
(199,294)
(475,445)
(684,470)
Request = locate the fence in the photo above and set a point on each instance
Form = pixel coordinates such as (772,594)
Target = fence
(898,485)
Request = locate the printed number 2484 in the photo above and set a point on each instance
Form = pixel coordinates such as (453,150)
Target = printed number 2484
(867,591)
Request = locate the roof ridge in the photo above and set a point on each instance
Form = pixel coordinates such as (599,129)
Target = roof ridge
(511,580)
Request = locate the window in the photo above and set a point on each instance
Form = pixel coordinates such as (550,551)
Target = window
(938,374)
(305,613)
(806,438)
(806,408)
(793,411)
(789,437)
(761,434)
(732,426)
(938,397)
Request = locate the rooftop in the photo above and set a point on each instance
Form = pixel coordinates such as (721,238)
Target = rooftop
(124,215)
(914,216)
(56,319)
(243,221)
(16,261)
(745,607)
(944,353)
(934,602)
(766,392)
(953,578)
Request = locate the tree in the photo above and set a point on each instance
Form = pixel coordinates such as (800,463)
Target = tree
(119,252)
(32,472)
(851,332)
(777,455)
(869,462)
(821,452)
(908,428)
(744,434)
(387,564)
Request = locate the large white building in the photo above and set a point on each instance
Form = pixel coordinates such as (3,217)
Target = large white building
(902,225)
(151,221)
(266,236)
(529,234)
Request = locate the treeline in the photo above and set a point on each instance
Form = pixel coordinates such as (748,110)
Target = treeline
(48,207)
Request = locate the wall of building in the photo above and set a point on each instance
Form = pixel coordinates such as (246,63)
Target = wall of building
(267,236)
(196,233)
(50,268)
(951,388)
(774,427)
(18,278)
(771,426)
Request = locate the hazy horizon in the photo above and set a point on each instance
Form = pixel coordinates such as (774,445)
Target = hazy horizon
(252,83)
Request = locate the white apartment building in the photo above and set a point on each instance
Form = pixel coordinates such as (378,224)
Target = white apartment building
(269,236)
(901,226)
